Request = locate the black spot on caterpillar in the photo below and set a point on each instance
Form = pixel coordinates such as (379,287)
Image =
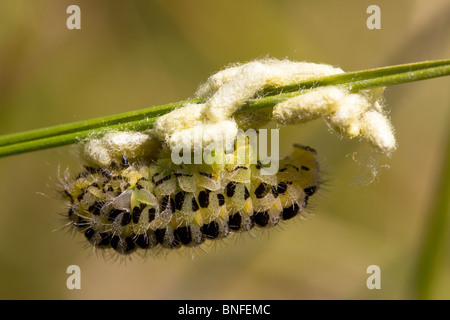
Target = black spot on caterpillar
(137,206)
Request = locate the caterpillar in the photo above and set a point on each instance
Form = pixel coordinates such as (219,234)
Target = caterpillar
(132,206)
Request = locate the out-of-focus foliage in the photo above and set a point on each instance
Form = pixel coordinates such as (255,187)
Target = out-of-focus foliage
(135,54)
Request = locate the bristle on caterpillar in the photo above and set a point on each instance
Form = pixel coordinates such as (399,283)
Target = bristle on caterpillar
(132,206)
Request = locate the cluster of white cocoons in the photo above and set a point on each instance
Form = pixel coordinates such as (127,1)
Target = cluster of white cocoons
(352,114)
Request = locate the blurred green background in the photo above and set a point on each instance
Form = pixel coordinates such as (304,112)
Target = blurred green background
(134,54)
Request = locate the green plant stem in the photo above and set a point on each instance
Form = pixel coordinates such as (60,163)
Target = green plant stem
(361,75)
(143,119)
(436,232)
(73,137)
(90,124)
(151,112)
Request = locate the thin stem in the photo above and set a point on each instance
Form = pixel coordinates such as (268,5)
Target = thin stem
(360,75)
(91,123)
(143,119)
(155,111)
(353,83)
(400,78)
(435,233)
(72,137)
